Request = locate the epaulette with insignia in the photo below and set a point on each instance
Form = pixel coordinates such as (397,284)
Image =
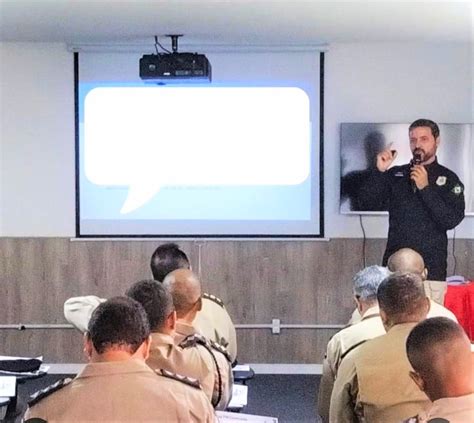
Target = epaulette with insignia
(214,299)
(193,340)
(43,393)
(221,349)
(185,379)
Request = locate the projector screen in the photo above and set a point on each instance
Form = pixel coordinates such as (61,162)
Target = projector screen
(240,157)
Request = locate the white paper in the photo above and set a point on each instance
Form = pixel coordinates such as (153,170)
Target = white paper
(241,368)
(7,386)
(239,396)
(228,417)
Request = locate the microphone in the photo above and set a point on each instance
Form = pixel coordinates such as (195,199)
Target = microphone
(415,161)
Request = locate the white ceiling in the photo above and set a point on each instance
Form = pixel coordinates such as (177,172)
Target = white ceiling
(236,22)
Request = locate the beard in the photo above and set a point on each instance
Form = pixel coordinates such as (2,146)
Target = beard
(425,155)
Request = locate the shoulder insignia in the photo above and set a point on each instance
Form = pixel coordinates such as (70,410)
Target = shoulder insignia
(180,378)
(457,189)
(221,349)
(214,299)
(441,181)
(193,340)
(43,393)
(343,355)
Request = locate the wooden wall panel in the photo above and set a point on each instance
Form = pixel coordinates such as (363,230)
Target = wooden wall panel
(297,282)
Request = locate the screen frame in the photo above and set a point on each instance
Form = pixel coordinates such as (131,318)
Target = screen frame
(203,236)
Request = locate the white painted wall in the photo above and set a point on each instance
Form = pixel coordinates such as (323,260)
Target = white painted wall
(364,82)
(394,82)
(37,140)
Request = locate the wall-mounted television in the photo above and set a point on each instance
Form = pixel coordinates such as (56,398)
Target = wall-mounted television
(361,142)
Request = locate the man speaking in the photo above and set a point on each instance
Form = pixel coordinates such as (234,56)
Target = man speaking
(424,199)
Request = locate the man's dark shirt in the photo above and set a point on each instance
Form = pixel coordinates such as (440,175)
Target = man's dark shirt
(420,219)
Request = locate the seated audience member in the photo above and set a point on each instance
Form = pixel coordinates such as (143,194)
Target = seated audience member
(373,382)
(213,320)
(197,360)
(365,284)
(117,385)
(185,289)
(409,261)
(440,353)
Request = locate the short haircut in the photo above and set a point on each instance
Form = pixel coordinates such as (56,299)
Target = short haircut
(366,282)
(155,299)
(402,294)
(426,335)
(185,288)
(428,123)
(165,259)
(119,322)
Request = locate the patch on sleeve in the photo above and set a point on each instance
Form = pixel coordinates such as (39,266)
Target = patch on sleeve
(180,378)
(441,181)
(43,393)
(457,189)
(214,299)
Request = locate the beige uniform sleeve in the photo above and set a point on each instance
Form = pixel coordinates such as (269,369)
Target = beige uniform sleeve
(326,384)
(78,310)
(344,393)
(225,370)
(214,322)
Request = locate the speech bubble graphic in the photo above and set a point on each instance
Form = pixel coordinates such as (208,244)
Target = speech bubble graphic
(147,138)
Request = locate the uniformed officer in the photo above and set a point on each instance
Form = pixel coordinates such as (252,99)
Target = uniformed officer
(365,284)
(117,385)
(185,289)
(196,357)
(440,354)
(213,320)
(424,199)
(408,260)
(373,382)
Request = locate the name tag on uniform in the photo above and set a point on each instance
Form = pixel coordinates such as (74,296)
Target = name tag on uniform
(399,174)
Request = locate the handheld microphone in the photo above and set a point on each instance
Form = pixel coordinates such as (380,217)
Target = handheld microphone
(415,161)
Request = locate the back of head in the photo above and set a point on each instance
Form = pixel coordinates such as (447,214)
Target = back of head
(165,259)
(406,260)
(440,352)
(119,323)
(366,283)
(402,298)
(185,288)
(155,299)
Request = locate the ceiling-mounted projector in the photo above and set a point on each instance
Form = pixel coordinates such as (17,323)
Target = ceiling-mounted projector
(173,67)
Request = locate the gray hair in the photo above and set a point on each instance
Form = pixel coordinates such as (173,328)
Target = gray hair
(366,282)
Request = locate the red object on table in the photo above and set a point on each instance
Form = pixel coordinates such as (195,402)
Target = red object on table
(460,300)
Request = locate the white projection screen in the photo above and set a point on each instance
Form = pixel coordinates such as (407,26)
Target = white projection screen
(239,157)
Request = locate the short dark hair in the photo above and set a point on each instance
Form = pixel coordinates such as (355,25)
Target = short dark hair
(428,123)
(155,299)
(165,259)
(401,294)
(429,333)
(118,322)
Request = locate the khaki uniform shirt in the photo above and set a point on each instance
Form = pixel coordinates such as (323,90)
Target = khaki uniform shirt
(340,344)
(436,310)
(453,410)
(219,366)
(192,362)
(213,320)
(373,382)
(127,391)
